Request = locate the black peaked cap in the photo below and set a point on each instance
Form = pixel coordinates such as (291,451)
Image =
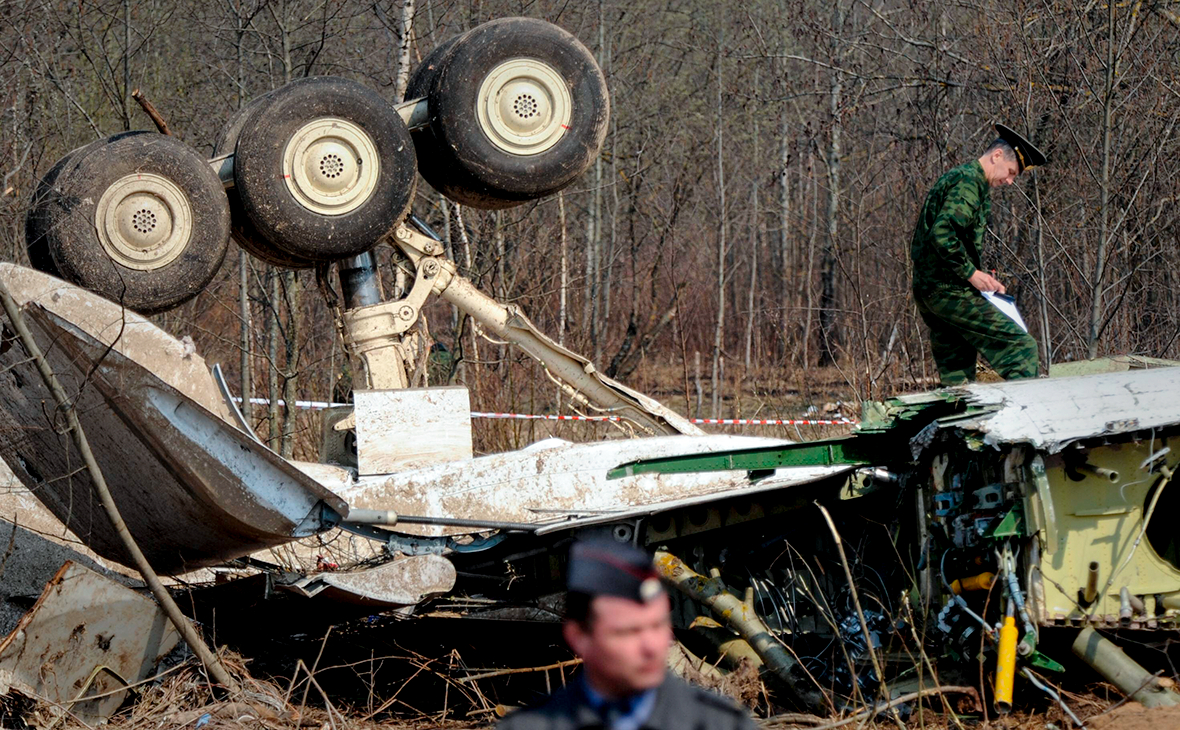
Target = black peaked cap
(607,568)
(1026,152)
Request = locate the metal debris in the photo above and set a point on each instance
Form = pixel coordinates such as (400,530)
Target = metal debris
(86,635)
(404,582)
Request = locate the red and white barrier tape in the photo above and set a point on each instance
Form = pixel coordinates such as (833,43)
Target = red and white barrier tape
(320,405)
(543,417)
(773,421)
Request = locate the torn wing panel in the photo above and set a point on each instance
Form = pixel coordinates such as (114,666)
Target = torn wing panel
(1049,414)
(194,490)
(558,483)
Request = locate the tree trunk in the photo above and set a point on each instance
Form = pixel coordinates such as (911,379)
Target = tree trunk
(829,334)
(246,363)
(564,286)
(719,329)
(786,260)
(449,247)
(403,56)
(126,65)
(754,241)
(468,270)
(292,297)
(1096,307)
(501,288)
(612,242)
(809,277)
(1042,283)
(273,335)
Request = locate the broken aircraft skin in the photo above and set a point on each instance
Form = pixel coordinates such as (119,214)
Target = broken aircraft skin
(1052,495)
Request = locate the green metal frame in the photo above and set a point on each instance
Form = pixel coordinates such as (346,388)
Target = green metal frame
(848,451)
(881,439)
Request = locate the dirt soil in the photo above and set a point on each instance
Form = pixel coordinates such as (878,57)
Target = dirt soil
(1134,716)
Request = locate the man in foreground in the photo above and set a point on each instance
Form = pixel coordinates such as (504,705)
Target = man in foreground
(618,620)
(947,273)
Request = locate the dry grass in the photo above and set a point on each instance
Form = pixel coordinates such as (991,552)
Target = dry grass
(183,699)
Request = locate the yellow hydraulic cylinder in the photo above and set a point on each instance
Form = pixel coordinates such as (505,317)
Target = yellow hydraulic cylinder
(981,582)
(1006,664)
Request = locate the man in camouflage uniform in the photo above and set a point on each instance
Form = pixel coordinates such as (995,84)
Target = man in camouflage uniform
(947,273)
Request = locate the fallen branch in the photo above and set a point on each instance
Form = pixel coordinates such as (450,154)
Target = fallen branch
(521,670)
(860,613)
(187,631)
(150,110)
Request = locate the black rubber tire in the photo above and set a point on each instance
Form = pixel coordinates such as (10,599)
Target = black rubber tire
(423,76)
(241,226)
(72,237)
(277,216)
(465,165)
(426,145)
(38,220)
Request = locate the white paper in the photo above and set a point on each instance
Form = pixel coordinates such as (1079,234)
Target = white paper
(1007,306)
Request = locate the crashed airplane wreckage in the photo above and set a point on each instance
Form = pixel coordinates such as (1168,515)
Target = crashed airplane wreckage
(975,519)
(1051,492)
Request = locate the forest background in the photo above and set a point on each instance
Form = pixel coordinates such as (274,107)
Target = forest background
(739,248)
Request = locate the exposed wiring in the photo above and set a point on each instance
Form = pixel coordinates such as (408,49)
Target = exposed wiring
(991,630)
(1008,564)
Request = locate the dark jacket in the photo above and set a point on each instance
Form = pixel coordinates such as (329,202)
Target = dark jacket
(679,706)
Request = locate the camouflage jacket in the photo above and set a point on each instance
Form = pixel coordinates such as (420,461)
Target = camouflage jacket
(949,235)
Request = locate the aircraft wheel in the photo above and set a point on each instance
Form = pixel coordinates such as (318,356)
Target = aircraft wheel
(38,224)
(139,218)
(241,226)
(423,76)
(324,170)
(519,110)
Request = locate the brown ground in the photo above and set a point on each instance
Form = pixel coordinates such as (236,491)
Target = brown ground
(1134,716)
(183,699)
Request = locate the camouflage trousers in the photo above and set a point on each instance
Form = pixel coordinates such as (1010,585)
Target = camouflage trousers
(963,324)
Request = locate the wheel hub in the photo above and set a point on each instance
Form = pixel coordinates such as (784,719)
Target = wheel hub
(331,166)
(524,106)
(144,221)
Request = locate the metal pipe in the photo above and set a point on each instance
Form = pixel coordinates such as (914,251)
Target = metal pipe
(743,619)
(424,227)
(1101,472)
(1030,630)
(390,518)
(1138,607)
(359,281)
(981,582)
(1125,606)
(1120,670)
(372,516)
(509,323)
(1006,661)
(1090,593)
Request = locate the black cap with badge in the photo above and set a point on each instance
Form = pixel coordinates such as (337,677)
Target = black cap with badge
(1026,153)
(606,568)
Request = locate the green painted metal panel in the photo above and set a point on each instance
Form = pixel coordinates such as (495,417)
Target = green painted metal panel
(849,451)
